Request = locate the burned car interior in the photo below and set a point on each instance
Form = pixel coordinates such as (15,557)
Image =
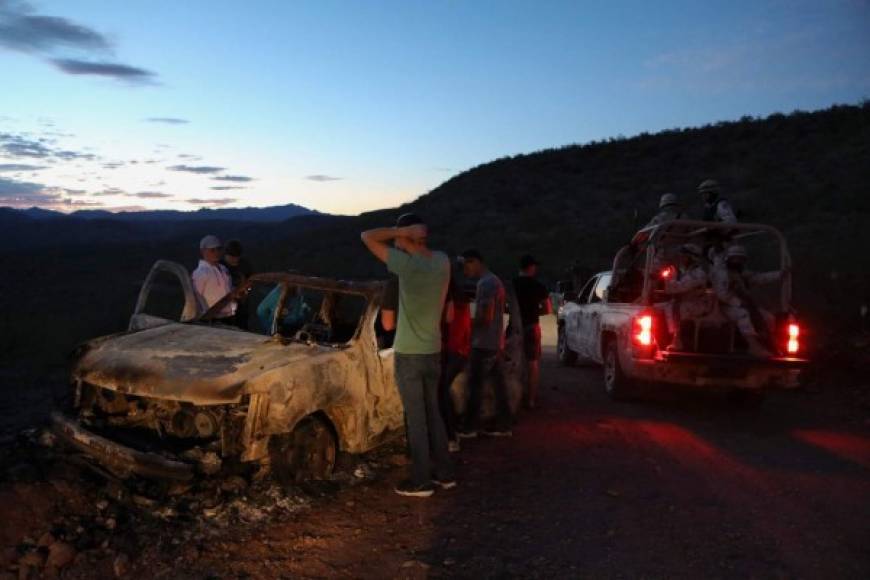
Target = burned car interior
(296,309)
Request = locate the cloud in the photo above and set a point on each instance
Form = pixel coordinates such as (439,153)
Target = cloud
(150,195)
(114,70)
(167,120)
(81,203)
(236,178)
(18,146)
(12,145)
(20,167)
(26,32)
(109,191)
(322,178)
(26,194)
(226,187)
(218,202)
(202,169)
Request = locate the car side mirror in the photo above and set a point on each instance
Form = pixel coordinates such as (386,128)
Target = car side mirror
(605,295)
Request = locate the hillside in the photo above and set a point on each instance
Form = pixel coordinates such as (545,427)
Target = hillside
(806,173)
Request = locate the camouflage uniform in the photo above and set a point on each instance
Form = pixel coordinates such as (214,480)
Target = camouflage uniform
(716,209)
(732,288)
(690,298)
(719,211)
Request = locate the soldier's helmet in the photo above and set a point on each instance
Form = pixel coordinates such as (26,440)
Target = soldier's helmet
(735,251)
(709,186)
(667,200)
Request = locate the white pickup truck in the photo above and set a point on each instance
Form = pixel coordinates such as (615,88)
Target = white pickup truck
(618,318)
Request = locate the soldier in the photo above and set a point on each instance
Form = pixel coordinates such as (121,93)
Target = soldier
(732,284)
(716,208)
(669,209)
(688,290)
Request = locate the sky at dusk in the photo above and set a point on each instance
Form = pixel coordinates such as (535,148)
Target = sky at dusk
(351,106)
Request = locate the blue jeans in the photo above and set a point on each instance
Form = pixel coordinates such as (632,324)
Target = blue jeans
(417,378)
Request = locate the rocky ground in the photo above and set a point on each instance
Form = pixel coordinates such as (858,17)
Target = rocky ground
(680,485)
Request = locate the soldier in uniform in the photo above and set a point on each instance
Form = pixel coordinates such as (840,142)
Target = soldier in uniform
(669,209)
(716,208)
(688,291)
(732,284)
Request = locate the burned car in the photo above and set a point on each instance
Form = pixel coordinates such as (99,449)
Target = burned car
(308,376)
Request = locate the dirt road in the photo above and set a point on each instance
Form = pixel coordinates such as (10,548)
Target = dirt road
(682,486)
(679,486)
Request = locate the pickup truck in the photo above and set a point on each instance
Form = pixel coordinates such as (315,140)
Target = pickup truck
(618,318)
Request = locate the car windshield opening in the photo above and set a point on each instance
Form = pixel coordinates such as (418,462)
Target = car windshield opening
(313,315)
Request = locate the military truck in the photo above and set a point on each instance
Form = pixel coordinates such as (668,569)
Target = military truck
(618,318)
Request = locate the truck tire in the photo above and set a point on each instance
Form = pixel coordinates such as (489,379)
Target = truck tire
(308,453)
(616,384)
(567,357)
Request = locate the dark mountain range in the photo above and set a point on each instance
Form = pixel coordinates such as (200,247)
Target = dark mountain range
(805,173)
(276,213)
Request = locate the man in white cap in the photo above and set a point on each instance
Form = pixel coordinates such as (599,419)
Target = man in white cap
(732,284)
(688,290)
(211,279)
(716,208)
(669,209)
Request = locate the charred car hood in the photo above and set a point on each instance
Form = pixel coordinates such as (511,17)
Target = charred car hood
(184,362)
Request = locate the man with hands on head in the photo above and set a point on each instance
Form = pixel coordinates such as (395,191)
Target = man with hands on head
(423,278)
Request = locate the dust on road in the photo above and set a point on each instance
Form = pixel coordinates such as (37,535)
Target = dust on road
(682,485)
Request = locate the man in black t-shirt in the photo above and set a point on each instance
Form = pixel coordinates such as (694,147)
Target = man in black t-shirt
(533,299)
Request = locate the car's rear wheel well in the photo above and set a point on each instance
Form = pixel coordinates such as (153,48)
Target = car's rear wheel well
(607,337)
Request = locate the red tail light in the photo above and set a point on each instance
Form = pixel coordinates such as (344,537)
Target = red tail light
(668,273)
(642,335)
(793,345)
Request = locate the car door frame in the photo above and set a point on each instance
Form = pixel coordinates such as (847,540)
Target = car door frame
(594,309)
(140,320)
(575,325)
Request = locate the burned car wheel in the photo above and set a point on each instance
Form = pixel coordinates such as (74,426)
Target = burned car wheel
(308,453)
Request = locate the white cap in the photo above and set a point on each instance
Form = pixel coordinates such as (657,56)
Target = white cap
(210,241)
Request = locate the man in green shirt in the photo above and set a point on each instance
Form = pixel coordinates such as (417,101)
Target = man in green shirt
(423,278)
